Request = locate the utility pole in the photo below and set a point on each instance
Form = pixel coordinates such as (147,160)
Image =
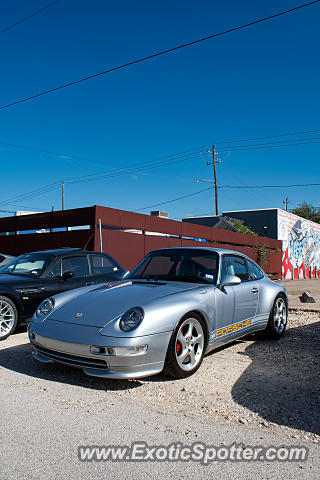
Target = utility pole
(286,203)
(63,195)
(214,161)
(215,179)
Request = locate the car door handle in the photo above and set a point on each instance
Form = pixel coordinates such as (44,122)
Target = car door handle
(26,291)
(254,290)
(91,283)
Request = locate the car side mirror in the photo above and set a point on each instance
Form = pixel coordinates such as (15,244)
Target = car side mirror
(229,280)
(66,275)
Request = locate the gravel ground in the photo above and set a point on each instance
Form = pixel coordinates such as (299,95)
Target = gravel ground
(261,384)
(266,384)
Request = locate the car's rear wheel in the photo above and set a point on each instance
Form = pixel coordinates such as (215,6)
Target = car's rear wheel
(278,318)
(186,347)
(8,317)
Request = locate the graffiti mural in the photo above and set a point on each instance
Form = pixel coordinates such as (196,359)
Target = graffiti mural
(300,246)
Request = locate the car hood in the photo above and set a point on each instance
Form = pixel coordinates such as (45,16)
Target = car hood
(98,307)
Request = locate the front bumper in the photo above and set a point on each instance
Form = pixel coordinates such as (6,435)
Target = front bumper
(69,344)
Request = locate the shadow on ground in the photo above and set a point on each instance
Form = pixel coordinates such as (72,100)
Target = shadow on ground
(282,384)
(19,359)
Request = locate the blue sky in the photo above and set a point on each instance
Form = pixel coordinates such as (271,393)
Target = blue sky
(256,82)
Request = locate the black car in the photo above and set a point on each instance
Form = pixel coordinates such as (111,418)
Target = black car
(32,277)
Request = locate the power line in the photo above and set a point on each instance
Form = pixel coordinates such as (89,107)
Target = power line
(147,165)
(174,199)
(79,157)
(240,181)
(142,166)
(270,136)
(267,145)
(85,179)
(157,54)
(199,149)
(29,16)
(53,153)
(120,172)
(273,186)
(128,170)
(226,186)
(271,143)
(34,193)
(156,164)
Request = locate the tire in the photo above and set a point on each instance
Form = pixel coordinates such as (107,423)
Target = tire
(278,318)
(186,347)
(8,317)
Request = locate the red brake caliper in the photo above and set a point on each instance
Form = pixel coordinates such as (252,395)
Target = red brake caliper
(178,346)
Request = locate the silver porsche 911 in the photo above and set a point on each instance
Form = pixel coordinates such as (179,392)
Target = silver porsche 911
(176,305)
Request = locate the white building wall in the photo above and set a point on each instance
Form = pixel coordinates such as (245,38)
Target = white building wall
(300,246)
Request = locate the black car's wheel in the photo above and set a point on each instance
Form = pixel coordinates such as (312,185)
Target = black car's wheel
(278,318)
(8,317)
(186,347)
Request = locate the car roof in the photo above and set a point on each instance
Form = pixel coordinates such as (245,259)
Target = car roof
(68,251)
(59,251)
(209,249)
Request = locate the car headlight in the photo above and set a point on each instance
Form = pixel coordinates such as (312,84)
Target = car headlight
(131,319)
(45,307)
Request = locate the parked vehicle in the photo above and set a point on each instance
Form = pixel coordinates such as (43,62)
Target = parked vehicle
(32,277)
(177,304)
(4,259)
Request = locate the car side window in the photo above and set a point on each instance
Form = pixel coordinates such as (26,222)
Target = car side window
(237,266)
(77,265)
(55,270)
(255,273)
(101,264)
(224,272)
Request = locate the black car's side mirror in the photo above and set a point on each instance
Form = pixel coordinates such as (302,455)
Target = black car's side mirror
(66,275)
(229,280)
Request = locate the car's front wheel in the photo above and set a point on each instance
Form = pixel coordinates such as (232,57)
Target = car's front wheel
(8,317)
(278,318)
(186,347)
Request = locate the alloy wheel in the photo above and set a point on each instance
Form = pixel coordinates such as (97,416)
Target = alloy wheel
(189,344)
(7,318)
(280,315)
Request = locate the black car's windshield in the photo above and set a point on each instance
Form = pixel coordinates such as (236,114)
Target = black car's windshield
(29,264)
(180,265)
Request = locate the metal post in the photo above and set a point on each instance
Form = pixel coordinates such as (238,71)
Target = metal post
(63,195)
(100,233)
(52,210)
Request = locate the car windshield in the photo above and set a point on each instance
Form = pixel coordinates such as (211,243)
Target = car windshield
(29,264)
(180,265)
